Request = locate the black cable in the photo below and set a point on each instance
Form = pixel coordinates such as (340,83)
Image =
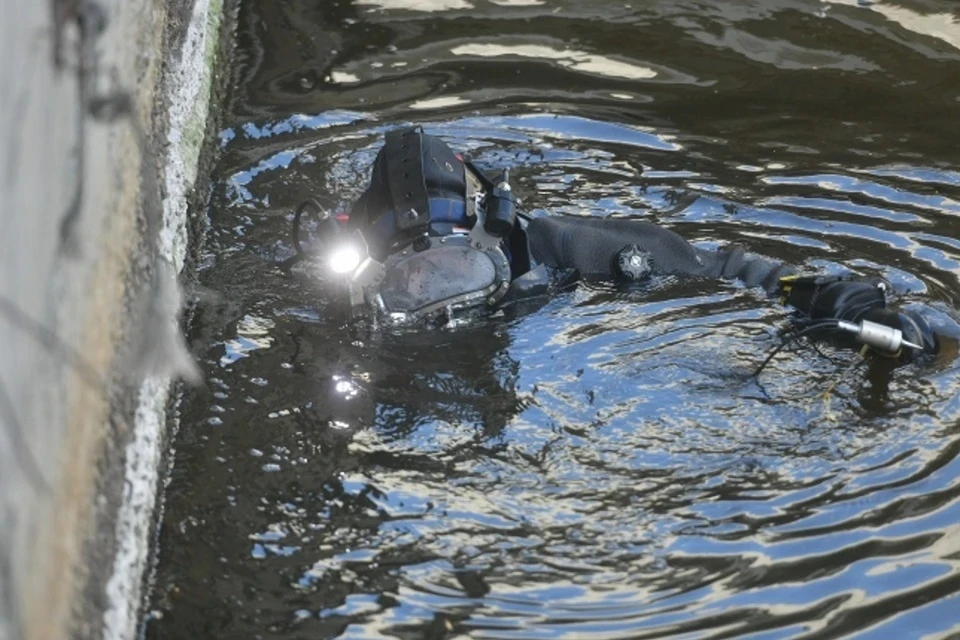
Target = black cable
(301,253)
(824,324)
(851,314)
(829,358)
(296,222)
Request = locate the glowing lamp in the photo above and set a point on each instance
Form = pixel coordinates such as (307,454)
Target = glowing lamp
(344,259)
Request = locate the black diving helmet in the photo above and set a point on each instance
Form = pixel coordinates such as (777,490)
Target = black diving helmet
(429,239)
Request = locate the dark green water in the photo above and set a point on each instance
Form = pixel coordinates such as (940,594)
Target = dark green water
(598,468)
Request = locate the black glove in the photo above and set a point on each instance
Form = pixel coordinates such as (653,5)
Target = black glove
(827,298)
(832,297)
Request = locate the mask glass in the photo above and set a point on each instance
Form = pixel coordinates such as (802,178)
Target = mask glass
(450,275)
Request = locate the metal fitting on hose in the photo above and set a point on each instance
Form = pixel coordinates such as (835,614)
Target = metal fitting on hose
(876,335)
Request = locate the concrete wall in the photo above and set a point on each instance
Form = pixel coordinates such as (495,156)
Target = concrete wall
(103,106)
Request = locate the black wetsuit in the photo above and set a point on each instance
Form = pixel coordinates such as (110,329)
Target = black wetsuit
(587,245)
(418,172)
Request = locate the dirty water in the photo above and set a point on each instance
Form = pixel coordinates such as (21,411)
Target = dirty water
(598,467)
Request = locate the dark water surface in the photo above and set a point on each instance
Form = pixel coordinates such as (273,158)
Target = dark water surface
(599,468)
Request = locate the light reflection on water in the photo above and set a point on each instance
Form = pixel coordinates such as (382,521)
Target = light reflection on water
(603,466)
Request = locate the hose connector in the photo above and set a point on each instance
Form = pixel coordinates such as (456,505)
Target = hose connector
(879,336)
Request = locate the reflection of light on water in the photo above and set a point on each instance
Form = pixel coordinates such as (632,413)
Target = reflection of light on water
(944,26)
(345,387)
(341,77)
(253,333)
(439,103)
(570,58)
(417,5)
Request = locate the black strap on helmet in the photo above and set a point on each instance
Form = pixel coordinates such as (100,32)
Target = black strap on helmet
(403,154)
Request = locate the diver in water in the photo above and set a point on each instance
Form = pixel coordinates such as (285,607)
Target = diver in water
(434,239)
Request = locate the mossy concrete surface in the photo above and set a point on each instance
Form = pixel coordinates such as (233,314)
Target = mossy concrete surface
(104,111)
